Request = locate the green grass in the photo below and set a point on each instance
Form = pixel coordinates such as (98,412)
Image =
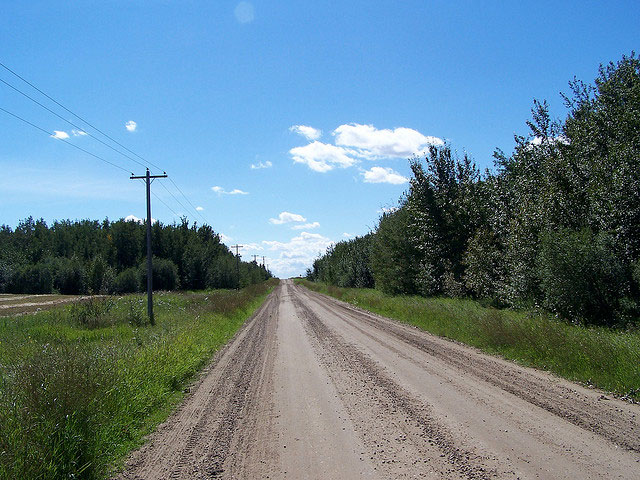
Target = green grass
(605,358)
(81,385)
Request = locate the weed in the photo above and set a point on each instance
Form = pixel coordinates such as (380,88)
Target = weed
(81,385)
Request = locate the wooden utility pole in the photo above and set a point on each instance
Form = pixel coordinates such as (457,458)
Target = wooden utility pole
(255,258)
(236,246)
(148,179)
(263,261)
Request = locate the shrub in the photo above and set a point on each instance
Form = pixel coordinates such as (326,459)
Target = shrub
(70,277)
(36,278)
(100,276)
(165,274)
(93,313)
(127,281)
(581,277)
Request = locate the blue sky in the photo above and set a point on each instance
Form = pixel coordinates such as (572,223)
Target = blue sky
(288,123)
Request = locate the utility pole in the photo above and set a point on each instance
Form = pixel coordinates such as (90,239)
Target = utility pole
(148,179)
(255,258)
(236,246)
(263,261)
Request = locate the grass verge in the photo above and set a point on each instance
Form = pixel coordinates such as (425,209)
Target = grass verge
(604,358)
(81,385)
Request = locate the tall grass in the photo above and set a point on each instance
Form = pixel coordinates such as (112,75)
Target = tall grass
(602,357)
(80,386)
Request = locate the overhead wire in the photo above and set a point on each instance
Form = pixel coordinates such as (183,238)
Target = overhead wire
(63,140)
(185,197)
(174,197)
(81,129)
(76,115)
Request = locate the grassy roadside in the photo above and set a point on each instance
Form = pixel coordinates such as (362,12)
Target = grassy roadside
(81,385)
(601,357)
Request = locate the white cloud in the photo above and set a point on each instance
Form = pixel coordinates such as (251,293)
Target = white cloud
(199,208)
(294,257)
(259,165)
(287,217)
(309,133)
(131,126)
(60,135)
(383,175)
(322,157)
(78,133)
(225,238)
(306,226)
(371,142)
(355,142)
(133,218)
(387,210)
(558,139)
(244,12)
(347,235)
(222,191)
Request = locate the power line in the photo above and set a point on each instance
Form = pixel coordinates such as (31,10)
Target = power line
(77,116)
(147,162)
(71,123)
(65,141)
(162,202)
(185,197)
(174,197)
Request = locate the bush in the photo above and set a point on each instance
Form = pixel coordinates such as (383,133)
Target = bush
(127,281)
(165,274)
(581,277)
(101,276)
(70,277)
(36,279)
(93,313)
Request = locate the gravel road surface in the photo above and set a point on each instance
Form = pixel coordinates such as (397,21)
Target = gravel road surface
(313,388)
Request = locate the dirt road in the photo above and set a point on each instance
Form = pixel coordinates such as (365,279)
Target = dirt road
(315,388)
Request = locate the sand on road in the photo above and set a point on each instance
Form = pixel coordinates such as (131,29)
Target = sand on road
(315,388)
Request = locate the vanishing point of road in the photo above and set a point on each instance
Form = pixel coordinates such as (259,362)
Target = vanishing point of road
(313,388)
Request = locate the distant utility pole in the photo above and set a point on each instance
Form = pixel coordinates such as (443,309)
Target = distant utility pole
(255,258)
(236,246)
(263,261)
(148,179)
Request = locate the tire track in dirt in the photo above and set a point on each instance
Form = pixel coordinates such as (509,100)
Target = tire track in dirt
(384,403)
(589,409)
(196,442)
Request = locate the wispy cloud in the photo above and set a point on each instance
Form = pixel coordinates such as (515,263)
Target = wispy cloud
(60,135)
(78,133)
(259,165)
(222,191)
(199,208)
(244,12)
(383,175)
(287,217)
(306,226)
(131,126)
(307,132)
(322,157)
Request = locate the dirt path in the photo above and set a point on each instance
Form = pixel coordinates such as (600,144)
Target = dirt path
(315,388)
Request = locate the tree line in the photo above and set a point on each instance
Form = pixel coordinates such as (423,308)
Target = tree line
(555,225)
(88,256)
